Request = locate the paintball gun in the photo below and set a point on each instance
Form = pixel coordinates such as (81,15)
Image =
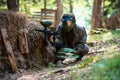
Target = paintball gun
(48,33)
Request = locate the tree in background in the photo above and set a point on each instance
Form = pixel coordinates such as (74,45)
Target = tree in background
(13,5)
(68,5)
(59,11)
(96,21)
(45,4)
(71,6)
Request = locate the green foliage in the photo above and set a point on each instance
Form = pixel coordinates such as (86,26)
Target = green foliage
(31,6)
(107,69)
(103,69)
(2,4)
(85,62)
(111,7)
(51,65)
(115,33)
(73,76)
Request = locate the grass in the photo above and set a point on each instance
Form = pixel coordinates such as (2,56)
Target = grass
(104,36)
(107,69)
(86,62)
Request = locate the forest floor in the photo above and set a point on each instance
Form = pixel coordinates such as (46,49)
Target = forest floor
(79,70)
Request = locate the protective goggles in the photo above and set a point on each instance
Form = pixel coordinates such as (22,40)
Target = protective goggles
(67,18)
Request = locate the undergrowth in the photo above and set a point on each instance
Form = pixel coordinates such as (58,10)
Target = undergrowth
(106,69)
(106,65)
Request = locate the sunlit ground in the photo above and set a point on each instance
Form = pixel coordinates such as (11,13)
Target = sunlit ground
(104,36)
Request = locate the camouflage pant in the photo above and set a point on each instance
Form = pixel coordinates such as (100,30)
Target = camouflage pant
(82,49)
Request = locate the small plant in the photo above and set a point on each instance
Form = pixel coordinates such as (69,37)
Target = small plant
(51,65)
(86,62)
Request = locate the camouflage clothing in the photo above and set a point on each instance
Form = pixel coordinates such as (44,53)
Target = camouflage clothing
(75,38)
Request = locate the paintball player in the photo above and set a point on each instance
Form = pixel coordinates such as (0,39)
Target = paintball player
(71,35)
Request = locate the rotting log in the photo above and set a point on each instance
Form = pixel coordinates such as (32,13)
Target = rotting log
(9,49)
(23,41)
(23,44)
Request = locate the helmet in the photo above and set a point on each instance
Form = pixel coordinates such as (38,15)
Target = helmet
(68,16)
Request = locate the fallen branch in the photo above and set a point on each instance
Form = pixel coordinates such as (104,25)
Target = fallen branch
(9,49)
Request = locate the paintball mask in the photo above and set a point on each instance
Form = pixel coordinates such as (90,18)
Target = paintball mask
(68,17)
(68,21)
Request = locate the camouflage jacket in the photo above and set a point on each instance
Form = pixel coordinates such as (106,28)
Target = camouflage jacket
(75,38)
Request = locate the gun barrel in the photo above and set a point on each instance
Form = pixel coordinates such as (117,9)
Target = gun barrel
(38,30)
(47,32)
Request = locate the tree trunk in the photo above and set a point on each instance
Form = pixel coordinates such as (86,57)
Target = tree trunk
(71,6)
(59,11)
(13,5)
(45,4)
(96,15)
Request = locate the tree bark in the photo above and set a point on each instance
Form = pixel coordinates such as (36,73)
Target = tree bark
(59,11)
(23,40)
(45,4)
(71,6)
(96,15)
(13,5)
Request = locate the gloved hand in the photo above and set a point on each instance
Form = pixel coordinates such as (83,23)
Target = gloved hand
(59,45)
